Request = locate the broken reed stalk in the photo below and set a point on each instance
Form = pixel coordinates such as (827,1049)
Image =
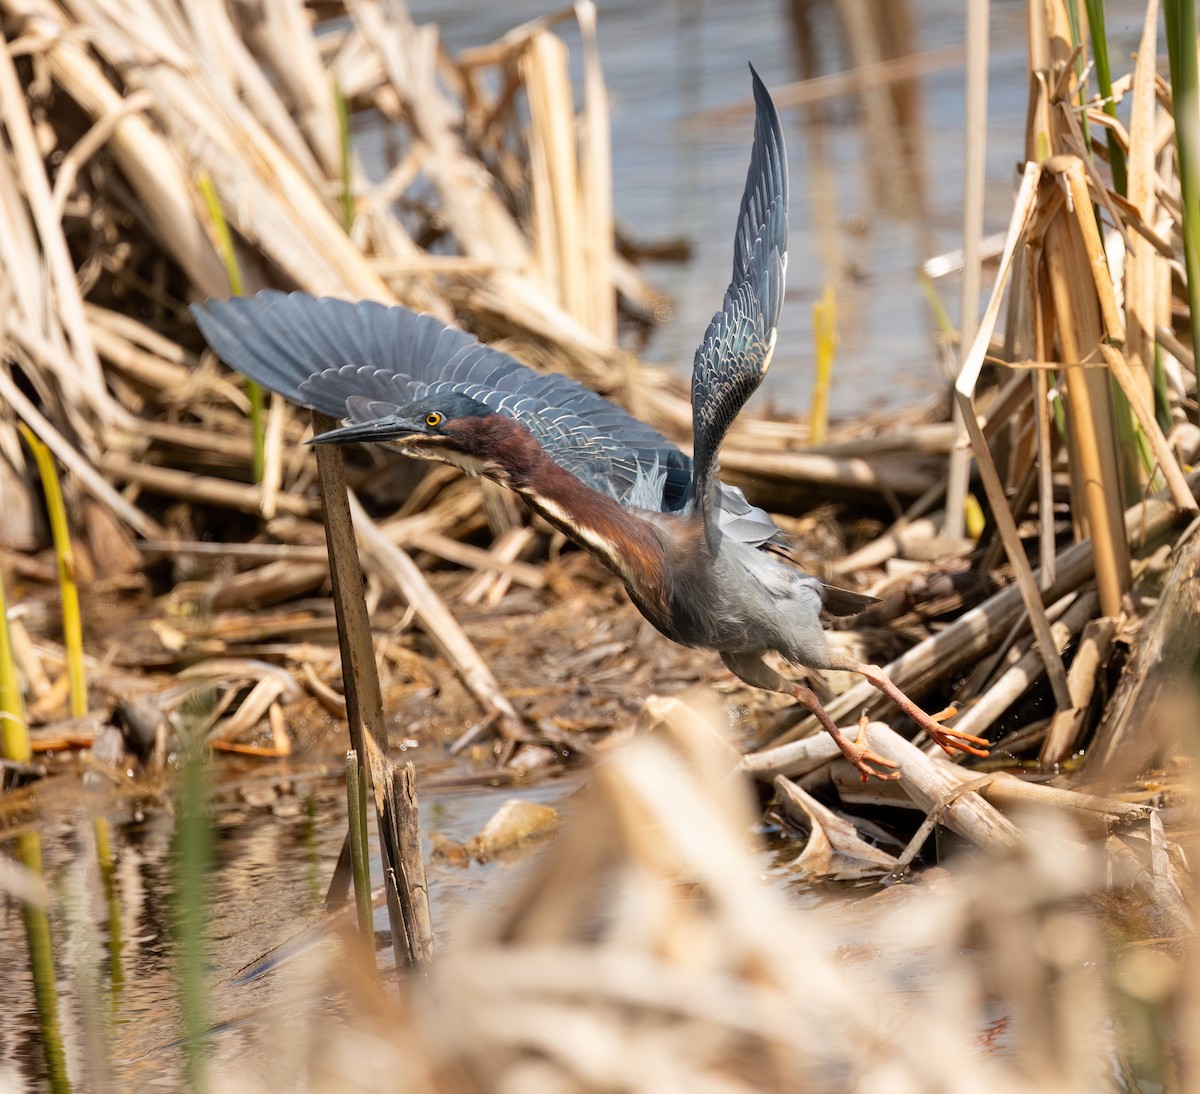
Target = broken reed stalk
(412,941)
(1157,702)
(1090,658)
(404,816)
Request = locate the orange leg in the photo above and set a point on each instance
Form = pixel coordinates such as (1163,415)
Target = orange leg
(950,740)
(855,751)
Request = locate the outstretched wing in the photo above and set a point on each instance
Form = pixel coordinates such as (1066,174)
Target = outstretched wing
(354,360)
(364,360)
(733,358)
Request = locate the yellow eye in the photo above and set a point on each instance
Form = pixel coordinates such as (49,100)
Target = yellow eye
(433,418)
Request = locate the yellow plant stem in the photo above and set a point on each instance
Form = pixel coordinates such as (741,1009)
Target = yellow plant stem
(14,733)
(28,851)
(233,271)
(65,557)
(825,346)
(344,133)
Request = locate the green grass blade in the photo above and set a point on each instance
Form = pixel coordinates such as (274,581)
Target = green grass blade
(1099,36)
(14,731)
(356,803)
(343,117)
(41,966)
(60,531)
(1180,19)
(1080,71)
(192,864)
(233,271)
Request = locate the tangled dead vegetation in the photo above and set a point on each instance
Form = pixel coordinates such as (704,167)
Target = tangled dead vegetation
(156,152)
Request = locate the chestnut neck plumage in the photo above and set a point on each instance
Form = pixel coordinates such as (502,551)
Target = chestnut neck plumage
(632,547)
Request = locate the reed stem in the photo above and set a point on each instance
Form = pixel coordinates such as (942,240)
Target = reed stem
(65,558)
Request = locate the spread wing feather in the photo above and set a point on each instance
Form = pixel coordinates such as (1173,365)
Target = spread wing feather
(360,361)
(736,351)
(322,353)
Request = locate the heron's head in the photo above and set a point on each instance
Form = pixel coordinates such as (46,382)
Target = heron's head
(450,428)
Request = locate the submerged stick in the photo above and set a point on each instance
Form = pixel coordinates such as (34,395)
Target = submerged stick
(412,888)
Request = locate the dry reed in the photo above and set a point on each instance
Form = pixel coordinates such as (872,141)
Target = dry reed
(644,952)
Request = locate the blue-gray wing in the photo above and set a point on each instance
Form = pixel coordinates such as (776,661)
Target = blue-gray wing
(358,360)
(733,358)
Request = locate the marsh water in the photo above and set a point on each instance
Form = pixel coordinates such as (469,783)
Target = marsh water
(278,829)
(682,120)
(677,78)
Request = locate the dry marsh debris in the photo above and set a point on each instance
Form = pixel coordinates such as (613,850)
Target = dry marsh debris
(644,951)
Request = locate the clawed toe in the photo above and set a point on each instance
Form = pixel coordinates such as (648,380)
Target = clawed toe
(855,751)
(862,756)
(952,741)
(949,739)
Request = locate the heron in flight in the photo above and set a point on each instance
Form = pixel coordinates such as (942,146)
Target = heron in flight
(702,564)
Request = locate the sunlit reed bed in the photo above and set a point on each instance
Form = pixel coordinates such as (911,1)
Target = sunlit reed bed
(1025,538)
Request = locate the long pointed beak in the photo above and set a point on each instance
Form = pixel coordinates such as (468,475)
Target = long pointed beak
(390,428)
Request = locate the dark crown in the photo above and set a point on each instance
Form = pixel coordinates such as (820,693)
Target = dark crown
(449,404)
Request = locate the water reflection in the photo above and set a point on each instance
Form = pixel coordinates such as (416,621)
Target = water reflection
(115,980)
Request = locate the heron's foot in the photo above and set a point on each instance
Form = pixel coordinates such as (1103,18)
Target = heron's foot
(965,741)
(948,738)
(952,741)
(861,756)
(856,751)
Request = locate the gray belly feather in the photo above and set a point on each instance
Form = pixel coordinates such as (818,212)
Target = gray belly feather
(744,602)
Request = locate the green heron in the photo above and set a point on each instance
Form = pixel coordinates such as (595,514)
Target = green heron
(702,564)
